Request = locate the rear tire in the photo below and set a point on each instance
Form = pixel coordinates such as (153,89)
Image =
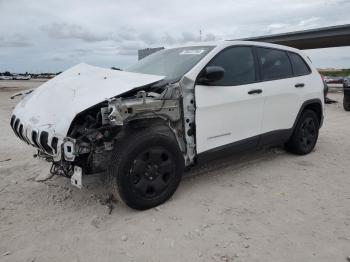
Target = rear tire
(146,168)
(346,102)
(305,135)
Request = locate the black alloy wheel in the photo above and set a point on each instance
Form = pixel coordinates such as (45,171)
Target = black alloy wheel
(305,134)
(151,172)
(308,134)
(146,167)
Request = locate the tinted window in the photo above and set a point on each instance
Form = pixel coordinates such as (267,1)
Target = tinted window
(299,65)
(238,63)
(274,63)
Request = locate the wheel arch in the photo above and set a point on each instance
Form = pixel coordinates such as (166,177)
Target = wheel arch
(314,105)
(157,124)
(147,123)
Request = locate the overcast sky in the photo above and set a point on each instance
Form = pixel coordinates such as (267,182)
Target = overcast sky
(45,35)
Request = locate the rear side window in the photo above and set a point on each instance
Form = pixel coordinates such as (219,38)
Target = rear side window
(274,63)
(239,66)
(299,65)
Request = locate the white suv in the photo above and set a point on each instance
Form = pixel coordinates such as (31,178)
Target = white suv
(169,111)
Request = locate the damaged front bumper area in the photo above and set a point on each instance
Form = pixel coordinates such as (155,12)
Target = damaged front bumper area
(50,147)
(63,153)
(95,132)
(77,118)
(45,142)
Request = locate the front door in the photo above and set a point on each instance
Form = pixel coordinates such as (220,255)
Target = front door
(231,109)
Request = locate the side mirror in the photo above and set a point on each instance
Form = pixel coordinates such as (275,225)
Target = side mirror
(211,74)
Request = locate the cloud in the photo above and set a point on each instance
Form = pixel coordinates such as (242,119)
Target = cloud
(148,38)
(53,35)
(73,31)
(126,40)
(127,52)
(14,41)
(57,59)
(310,22)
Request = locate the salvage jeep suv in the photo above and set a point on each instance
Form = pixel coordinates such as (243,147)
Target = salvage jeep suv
(171,110)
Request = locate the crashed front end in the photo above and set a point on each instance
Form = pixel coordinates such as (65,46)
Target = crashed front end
(43,140)
(76,119)
(50,146)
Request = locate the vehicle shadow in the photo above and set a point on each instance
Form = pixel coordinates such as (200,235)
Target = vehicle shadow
(97,192)
(234,161)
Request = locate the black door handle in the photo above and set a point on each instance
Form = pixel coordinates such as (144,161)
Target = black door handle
(299,85)
(255,91)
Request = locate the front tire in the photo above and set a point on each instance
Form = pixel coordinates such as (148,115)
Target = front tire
(146,167)
(305,135)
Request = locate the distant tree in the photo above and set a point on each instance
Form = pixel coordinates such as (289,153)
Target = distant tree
(7,73)
(338,73)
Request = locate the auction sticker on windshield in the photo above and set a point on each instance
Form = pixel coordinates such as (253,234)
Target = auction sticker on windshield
(192,52)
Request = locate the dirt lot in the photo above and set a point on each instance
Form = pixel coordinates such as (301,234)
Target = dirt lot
(262,206)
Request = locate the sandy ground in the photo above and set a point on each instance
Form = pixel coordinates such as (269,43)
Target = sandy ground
(262,206)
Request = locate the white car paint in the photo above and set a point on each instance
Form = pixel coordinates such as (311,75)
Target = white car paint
(283,99)
(222,114)
(53,105)
(282,103)
(225,115)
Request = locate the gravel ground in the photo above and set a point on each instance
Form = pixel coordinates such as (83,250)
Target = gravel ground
(259,206)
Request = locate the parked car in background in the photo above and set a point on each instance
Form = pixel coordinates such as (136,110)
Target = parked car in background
(346,88)
(171,110)
(327,79)
(6,77)
(21,77)
(334,80)
(346,82)
(338,80)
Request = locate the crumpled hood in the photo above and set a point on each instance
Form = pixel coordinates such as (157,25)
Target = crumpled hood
(53,105)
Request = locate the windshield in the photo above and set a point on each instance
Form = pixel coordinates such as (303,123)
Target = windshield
(171,63)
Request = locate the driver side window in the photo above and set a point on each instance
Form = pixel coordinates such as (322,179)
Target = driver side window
(238,63)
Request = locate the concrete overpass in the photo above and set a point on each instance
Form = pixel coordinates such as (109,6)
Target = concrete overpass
(333,36)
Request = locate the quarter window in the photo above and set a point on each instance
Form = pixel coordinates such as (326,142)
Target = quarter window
(238,63)
(299,66)
(274,63)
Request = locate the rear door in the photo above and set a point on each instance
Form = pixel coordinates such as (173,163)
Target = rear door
(282,98)
(228,111)
(303,79)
